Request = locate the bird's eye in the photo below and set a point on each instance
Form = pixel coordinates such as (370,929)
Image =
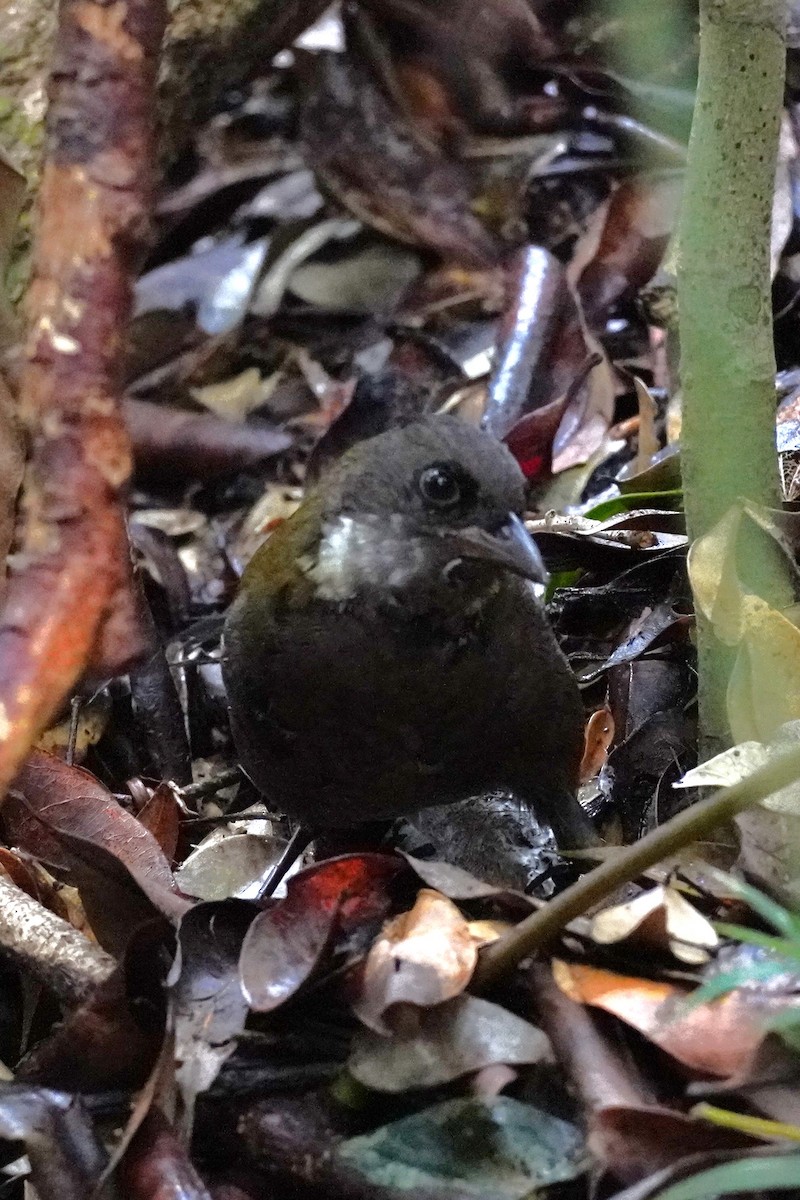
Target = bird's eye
(439,485)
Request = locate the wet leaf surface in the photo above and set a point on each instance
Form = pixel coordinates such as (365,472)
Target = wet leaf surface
(207,1005)
(287,941)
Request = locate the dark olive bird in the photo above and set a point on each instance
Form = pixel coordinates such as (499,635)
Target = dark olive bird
(387,649)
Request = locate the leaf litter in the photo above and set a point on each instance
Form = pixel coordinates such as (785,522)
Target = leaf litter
(390,243)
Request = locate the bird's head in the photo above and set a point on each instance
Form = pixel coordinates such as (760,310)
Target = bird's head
(421,510)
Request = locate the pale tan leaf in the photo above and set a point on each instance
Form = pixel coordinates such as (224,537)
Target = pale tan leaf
(718,591)
(422,957)
(465,1034)
(660,917)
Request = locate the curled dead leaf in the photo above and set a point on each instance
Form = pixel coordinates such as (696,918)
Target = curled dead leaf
(660,917)
(422,957)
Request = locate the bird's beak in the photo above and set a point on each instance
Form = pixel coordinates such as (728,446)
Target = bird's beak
(511,549)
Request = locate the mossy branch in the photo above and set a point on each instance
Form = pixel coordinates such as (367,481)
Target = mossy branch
(724,301)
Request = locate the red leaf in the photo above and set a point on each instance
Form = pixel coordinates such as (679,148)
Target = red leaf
(286,942)
(65,817)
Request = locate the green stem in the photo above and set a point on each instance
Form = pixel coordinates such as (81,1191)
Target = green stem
(630,861)
(724,302)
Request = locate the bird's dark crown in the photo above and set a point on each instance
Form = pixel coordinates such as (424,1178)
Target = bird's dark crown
(439,473)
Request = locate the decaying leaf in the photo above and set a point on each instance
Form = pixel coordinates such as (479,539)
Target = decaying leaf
(461,1035)
(422,958)
(496,1150)
(715,1039)
(65,817)
(207,1004)
(661,918)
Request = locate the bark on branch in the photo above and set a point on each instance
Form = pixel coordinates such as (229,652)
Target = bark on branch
(68,606)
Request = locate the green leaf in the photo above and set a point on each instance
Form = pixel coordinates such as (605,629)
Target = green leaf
(496,1150)
(788,947)
(748,1174)
(728,980)
(606,509)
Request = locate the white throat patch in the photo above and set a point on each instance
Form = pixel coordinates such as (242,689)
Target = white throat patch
(369,552)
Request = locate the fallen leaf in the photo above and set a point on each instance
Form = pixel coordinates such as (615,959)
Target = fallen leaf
(462,1035)
(230,864)
(459,884)
(422,957)
(286,942)
(598,736)
(232,399)
(64,816)
(660,918)
(499,1149)
(207,1004)
(716,1038)
(161,815)
(370,279)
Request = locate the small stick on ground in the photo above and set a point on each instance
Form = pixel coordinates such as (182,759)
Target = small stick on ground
(53,951)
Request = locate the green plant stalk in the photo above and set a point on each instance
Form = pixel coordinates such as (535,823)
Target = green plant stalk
(757,1127)
(724,304)
(630,861)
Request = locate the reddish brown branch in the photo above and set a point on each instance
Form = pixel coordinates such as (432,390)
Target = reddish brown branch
(68,605)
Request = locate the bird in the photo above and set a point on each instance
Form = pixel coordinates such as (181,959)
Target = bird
(388,648)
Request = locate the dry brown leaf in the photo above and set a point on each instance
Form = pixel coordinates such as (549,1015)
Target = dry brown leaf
(660,917)
(422,957)
(598,736)
(716,1038)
